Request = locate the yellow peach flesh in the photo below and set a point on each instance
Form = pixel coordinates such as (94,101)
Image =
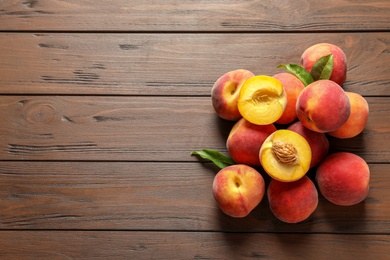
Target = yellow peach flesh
(285,155)
(262,100)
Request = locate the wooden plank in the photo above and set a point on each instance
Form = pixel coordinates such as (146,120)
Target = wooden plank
(190,15)
(173,64)
(192,245)
(141,129)
(159,196)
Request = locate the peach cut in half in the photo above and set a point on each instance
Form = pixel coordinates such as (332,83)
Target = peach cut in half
(285,155)
(262,100)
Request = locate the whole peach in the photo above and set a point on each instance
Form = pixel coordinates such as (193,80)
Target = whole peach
(293,87)
(292,202)
(245,139)
(238,189)
(323,106)
(357,119)
(318,142)
(343,178)
(312,54)
(225,93)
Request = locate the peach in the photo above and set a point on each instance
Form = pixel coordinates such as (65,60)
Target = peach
(319,143)
(245,139)
(225,93)
(293,87)
(238,189)
(262,100)
(312,54)
(343,178)
(357,119)
(292,202)
(323,106)
(285,155)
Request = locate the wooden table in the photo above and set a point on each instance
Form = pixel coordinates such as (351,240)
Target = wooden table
(102,103)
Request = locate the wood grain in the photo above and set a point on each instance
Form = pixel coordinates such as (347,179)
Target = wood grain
(173,64)
(159,196)
(141,129)
(191,15)
(189,245)
(102,103)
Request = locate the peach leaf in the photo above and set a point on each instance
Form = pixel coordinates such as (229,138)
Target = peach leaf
(301,73)
(322,69)
(216,157)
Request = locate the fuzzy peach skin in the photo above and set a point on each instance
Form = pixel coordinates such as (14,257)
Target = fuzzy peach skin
(312,54)
(343,178)
(245,139)
(238,189)
(293,87)
(292,202)
(323,106)
(357,119)
(225,93)
(318,142)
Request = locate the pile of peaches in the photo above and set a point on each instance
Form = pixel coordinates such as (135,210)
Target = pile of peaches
(282,124)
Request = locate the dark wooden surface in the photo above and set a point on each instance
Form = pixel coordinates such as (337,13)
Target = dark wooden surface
(102,102)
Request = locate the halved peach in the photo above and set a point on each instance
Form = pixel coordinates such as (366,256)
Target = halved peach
(285,155)
(262,100)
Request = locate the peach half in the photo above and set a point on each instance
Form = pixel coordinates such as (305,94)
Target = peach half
(238,189)
(225,93)
(262,100)
(357,119)
(292,202)
(245,139)
(285,155)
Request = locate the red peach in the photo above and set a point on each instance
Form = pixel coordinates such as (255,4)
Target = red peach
(225,93)
(357,119)
(293,87)
(292,202)
(318,142)
(323,106)
(238,189)
(245,139)
(343,178)
(312,54)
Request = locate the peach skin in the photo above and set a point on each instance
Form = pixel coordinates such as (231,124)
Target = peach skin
(238,189)
(323,106)
(357,120)
(225,93)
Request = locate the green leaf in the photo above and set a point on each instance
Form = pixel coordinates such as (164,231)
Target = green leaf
(322,69)
(299,72)
(216,157)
